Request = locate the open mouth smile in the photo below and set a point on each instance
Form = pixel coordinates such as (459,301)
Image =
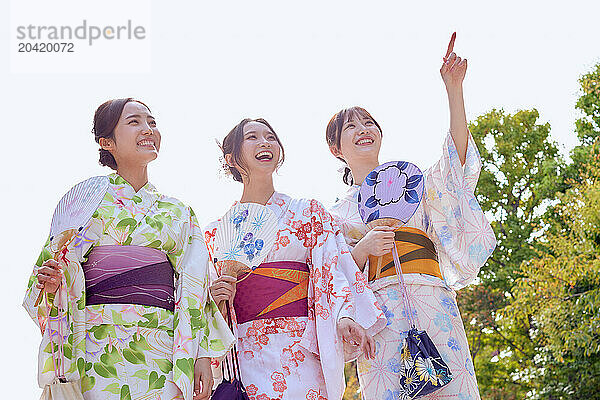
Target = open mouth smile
(364,141)
(146,143)
(264,156)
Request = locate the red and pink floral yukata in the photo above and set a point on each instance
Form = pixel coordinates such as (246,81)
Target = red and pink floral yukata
(302,357)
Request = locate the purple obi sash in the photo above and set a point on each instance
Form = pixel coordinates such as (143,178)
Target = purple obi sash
(273,289)
(129,275)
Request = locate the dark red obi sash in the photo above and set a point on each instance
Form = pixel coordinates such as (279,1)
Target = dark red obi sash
(273,289)
(129,275)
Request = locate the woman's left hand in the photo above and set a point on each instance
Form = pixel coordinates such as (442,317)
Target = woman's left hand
(203,379)
(356,335)
(453,68)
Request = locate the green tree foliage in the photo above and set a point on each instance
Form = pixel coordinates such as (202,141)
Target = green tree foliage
(560,290)
(520,174)
(588,126)
(533,322)
(520,171)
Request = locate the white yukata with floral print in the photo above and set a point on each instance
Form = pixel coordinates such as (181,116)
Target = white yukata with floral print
(131,351)
(302,358)
(451,217)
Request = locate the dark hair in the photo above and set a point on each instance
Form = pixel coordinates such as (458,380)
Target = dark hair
(232,144)
(106,118)
(333,133)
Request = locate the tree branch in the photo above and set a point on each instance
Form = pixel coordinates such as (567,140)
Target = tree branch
(507,340)
(497,261)
(474,352)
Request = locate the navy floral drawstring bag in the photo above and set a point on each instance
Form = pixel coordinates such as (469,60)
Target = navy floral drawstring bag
(422,370)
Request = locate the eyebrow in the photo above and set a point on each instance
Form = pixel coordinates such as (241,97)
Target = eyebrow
(365,118)
(138,116)
(253,131)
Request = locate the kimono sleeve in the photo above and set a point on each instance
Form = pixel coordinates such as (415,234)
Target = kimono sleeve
(336,289)
(63,312)
(38,313)
(69,294)
(209,238)
(463,236)
(199,328)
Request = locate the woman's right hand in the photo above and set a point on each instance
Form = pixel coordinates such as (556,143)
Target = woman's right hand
(377,242)
(49,276)
(223,289)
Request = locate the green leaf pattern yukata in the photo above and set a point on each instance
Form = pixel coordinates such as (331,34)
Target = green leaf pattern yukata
(128,351)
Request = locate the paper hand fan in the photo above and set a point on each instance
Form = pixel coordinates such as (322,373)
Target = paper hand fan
(244,237)
(73,212)
(76,208)
(392,190)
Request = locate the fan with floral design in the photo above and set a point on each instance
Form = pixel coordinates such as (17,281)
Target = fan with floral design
(244,237)
(391,191)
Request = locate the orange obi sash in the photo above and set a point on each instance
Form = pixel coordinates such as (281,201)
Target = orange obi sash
(416,252)
(273,289)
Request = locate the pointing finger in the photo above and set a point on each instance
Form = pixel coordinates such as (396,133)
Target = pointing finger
(450,45)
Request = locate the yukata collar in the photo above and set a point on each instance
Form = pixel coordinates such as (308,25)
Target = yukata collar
(146,192)
(278,203)
(119,180)
(351,194)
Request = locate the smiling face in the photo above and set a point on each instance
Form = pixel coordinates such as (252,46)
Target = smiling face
(259,151)
(136,138)
(359,138)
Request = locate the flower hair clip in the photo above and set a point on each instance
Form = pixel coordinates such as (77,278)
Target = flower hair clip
(225,168)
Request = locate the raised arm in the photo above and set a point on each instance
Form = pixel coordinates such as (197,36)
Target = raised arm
(453,72)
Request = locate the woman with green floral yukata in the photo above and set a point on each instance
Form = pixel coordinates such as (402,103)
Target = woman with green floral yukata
(130,291)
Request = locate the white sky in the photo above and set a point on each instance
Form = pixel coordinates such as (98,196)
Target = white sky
(295,64)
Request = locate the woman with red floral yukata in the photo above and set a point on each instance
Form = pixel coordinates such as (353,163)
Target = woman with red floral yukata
(296,354)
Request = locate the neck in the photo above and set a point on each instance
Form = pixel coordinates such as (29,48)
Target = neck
(259,190)
(136,176)
(361,170)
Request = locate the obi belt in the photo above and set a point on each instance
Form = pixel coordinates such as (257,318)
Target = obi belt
(129,275)
(416,252)
(273,289)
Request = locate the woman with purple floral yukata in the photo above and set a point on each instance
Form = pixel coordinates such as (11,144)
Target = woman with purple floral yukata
(448,231)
